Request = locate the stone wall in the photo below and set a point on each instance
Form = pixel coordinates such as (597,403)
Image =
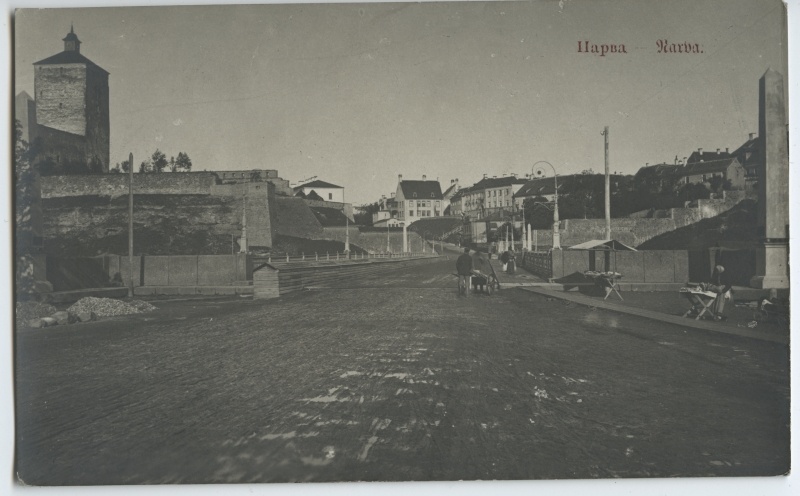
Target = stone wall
(113,185)
(655,266)
(97,118)
(61,97)
(163,224)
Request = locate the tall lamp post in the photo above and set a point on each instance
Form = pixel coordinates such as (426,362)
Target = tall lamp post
(538,170)
(346,228)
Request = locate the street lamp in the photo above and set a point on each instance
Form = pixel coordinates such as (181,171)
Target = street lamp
(538,170)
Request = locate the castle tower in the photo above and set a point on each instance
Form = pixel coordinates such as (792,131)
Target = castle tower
(71,94)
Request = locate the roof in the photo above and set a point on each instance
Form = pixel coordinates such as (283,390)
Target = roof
(317,184)
(448,190)
(708,167)
(497,182)
(68,57)
(421,189)
(602,244)
(537,187)
(313,195)
(696,157)
(663,169)
(329,217)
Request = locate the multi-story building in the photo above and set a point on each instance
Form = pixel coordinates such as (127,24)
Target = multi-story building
(490,195)
(418,199)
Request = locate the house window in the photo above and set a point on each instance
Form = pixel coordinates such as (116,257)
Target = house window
(330,196)
(411,213)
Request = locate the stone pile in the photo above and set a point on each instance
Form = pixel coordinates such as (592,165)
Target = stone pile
(89,309)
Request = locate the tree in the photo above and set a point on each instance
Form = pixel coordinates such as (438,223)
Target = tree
(183,162)
(363,217)
(159,161)
(538,212)
(25,198)
(146,166)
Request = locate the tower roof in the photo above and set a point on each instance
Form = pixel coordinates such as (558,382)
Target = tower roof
(68,57)
(71,36)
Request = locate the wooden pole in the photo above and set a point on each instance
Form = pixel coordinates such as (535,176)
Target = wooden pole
(130,224)
(608,187)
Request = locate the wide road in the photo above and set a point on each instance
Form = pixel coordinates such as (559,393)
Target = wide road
(394,378)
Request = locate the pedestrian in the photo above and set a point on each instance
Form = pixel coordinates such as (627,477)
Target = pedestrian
(512,262)
(464,270)
(504,258)
(720,283)
(480,268)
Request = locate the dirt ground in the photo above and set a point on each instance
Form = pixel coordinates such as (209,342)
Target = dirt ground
(394,378)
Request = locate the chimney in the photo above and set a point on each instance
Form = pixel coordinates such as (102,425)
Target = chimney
(727,150)
(484,176)
(717,151)
(399,177)
(456,180)
(424,177)
(452,181)
(752,135)
(684,160)
(646,164)
(699,150)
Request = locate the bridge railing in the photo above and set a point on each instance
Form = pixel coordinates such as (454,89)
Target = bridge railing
(539,263)
(336,256)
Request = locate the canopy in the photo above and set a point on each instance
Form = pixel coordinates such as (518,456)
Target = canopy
(602,245)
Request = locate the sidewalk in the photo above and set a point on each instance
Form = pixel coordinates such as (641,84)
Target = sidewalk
(521,277)
(635,304)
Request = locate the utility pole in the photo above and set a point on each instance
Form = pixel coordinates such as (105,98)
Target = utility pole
(130,225)
(608,187)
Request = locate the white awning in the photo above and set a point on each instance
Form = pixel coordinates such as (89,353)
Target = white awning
(602,245)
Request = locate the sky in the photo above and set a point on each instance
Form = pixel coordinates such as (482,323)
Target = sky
(356,94)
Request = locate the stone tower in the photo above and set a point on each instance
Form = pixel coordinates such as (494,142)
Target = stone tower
(71,95)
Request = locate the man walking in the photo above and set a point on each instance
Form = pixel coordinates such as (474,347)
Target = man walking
(464,270)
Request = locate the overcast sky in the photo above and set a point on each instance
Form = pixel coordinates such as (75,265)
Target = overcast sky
(357,94)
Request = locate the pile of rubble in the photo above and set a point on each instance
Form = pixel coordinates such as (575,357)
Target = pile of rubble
(90,308)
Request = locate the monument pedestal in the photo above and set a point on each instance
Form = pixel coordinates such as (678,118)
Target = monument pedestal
(771,261)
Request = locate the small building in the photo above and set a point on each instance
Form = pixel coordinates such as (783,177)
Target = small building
(324,190)
(535,188)
(418,199)
(387,210)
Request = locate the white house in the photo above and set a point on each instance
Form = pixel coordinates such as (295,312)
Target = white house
(418,199)
(325,191)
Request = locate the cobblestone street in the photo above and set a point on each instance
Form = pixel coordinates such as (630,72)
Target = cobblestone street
(394,378)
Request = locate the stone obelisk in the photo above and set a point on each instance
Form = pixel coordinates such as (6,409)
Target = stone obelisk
(772,256)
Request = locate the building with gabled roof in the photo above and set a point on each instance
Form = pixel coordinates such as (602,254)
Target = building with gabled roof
(321,190)
(728,168)
(418,199)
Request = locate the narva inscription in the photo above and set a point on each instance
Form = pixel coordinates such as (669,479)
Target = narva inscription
(601,49)
(665,46)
